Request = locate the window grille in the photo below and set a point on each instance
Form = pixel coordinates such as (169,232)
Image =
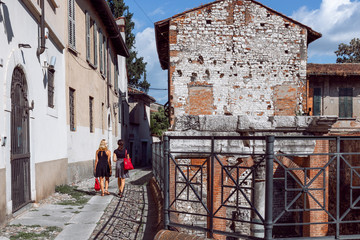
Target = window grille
(87,36)
(51,88)
(91,104)
(72,109)
(71,22)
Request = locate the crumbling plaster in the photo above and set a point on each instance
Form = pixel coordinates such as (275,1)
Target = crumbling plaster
(241,51)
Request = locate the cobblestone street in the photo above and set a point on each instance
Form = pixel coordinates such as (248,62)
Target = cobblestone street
(129,217)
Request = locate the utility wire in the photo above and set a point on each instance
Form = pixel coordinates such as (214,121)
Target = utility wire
(148,18)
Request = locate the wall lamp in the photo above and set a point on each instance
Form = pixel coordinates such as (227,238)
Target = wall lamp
(24,45)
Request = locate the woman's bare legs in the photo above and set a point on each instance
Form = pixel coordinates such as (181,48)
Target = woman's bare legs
(102,185)
(122,184)
(119,185)
(106,185)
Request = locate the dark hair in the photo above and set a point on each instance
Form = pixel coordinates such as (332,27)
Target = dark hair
(120,142)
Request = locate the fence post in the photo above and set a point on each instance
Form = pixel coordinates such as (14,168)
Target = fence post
(269,187)
(166,182)
(212,165)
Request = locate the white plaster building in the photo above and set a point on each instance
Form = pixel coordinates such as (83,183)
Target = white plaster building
(40,63)
(32,114)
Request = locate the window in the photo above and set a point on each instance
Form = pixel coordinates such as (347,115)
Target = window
(345,102)
(116,74)
(51,88)
(101,52)
(91,116)
(71,23)
(105,55)
(72,109)
(145,115)
(317,102)
(91,40)
(102,118)
(109,68)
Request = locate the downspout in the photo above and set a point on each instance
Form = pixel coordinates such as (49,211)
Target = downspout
(41,48)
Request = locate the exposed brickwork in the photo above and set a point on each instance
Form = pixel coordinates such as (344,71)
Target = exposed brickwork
(246,52)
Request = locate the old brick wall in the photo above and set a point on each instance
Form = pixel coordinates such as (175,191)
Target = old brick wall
(247,59)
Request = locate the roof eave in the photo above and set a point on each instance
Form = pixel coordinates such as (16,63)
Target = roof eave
(111,27)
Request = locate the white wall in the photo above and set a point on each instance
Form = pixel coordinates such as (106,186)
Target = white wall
(47,126)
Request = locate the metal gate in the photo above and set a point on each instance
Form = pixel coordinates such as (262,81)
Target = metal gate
(20,150)
(296,187)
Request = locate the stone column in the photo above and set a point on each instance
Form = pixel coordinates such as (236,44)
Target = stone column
(258,197)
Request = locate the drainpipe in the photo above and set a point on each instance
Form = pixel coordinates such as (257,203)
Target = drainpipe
(41,48)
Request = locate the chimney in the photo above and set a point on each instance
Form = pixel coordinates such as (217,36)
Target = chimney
(120,22)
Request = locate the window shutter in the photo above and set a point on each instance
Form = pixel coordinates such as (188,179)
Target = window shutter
(101,52)
(317,102)
(87,36)
(105,54)
(110,61)
(345,102)
(116,84)
(95,45)
(71,21)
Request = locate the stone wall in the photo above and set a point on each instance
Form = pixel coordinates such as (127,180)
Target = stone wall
(236,58)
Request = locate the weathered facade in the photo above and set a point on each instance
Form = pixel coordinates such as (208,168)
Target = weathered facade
(234,58)
(140,139)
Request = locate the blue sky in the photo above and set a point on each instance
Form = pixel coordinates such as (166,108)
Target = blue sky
(337,20)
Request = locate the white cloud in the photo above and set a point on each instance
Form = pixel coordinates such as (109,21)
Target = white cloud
(158,11)
(337,20)
(146,47)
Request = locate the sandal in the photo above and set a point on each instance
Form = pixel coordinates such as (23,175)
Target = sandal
(102,194)
(107,193)
(120,194)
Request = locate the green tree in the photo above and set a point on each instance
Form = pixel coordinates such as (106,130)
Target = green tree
(136,66)
(159,123)
(349,53)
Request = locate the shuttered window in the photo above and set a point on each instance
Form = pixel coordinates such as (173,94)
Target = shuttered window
(345,102)
(317,102)
(105,55)
(116,73)
(87,36)
(101,51)
(95,45)
(71,22)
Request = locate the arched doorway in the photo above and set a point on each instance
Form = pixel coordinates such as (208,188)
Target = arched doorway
(20,149)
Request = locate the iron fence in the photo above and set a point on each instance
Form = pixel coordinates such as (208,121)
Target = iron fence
(261,187)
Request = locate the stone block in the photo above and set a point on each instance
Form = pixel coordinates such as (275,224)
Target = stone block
(218,123)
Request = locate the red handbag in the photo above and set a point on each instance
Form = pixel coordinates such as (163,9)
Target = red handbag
(127,163)
(97,185)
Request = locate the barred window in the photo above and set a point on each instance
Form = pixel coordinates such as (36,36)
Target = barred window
(71,23)
(91,116)
(51,88)
(72,109)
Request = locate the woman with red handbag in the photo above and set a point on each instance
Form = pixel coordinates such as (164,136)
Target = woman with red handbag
(119,154)
(103,166)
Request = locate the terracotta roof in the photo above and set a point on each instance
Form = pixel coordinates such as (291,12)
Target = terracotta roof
(111,28)
(162,31)
(136,92)
(339,69)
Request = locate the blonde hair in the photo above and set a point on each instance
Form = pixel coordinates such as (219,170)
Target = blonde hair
(103,145)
